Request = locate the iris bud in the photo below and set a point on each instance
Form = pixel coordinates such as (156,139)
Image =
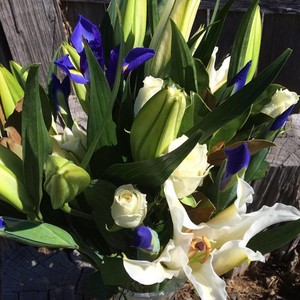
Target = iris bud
(146,239)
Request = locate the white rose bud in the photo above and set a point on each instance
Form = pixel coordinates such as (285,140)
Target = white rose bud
(192,170)
(280,102)
(130,206)
(151,87)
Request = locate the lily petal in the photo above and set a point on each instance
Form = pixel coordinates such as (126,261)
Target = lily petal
(232,254)
(148,273)
(205,280)
(135,58)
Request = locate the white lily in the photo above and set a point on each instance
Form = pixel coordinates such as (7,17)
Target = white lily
(73,141)
(217,77)
(202,252)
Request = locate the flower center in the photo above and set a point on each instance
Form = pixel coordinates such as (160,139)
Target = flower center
(200,249)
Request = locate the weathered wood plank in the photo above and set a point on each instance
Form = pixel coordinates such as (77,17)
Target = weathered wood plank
(272,6)
(282,181)
(33,30)
(281,32)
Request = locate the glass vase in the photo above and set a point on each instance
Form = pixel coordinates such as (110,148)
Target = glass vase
(166,292)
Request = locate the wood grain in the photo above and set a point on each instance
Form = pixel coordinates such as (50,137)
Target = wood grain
(33,29)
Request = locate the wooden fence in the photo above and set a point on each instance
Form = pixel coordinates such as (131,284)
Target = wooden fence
(30,30)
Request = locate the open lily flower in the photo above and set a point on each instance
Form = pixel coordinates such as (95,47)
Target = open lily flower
(217,77)
(202,252)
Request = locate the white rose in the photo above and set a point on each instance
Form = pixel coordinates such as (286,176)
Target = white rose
(130,206)
(280,102)
(192,170)
(151,87)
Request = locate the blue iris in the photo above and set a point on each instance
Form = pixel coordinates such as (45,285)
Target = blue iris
(85,30)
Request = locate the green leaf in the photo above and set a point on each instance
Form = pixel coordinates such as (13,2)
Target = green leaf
(239,102)
(229,130)
(183,70)
(272,239)
(211,36)
(152,172)
(101,128)
(35,139)
(153,16)
(37,234)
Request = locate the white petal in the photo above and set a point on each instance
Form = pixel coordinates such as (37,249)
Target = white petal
(232,254)
(146,272)
(205,280)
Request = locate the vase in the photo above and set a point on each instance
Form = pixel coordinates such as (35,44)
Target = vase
(167,293)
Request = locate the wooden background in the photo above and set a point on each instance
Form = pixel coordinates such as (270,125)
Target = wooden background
(30,31)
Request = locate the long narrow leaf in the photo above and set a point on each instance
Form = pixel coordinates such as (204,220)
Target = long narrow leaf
(35,139)
(240,101)
(151,172)
(211,36)
(183,70)
(275,238)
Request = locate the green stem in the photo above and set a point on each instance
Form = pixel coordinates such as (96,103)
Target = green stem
(67,209)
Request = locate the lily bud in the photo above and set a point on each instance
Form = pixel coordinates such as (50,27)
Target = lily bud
(157,123)
(249,51)
(134,15)
(64,180)
(10,91)
(183,13)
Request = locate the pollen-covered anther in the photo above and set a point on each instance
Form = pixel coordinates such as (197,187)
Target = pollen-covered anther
(200,249)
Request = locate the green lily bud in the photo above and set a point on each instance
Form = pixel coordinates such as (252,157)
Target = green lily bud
(157,123)
(183,13)
(246,47)
(80,89)
(134,15)
(64,180)
(10,91)
(12,189)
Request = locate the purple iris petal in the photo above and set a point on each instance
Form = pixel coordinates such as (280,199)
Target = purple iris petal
(239,79)
(2,223)
(112,65)
(87,30)
(135,58)
(66,65)
(280,120)
(237,159)
(63,87)
(142,238)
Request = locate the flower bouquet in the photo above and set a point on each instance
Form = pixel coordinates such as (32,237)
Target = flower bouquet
(153,188)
